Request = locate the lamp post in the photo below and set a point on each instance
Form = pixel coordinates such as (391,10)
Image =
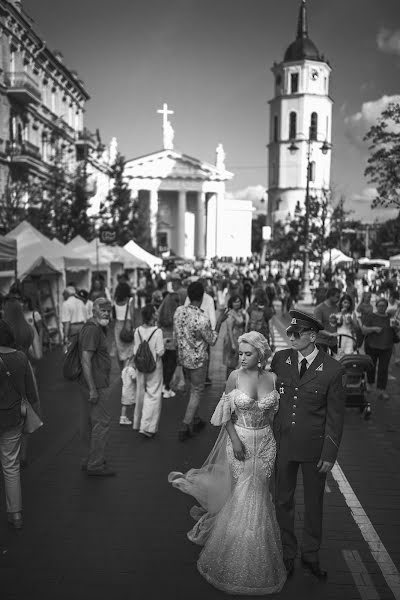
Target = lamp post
(306,252)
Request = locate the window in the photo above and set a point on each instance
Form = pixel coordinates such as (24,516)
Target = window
(294,83)
(313,126)
(276,128)
(292,125)
(312,171)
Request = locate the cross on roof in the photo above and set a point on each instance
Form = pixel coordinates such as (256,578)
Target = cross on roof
(165,112)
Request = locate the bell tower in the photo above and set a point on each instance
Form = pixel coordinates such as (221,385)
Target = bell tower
(300,126)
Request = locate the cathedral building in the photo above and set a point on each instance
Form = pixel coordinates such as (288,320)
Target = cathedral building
(299,156)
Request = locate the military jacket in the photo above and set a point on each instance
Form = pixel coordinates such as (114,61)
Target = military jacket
(309,422)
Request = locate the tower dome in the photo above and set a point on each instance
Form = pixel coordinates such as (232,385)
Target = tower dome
(302,48)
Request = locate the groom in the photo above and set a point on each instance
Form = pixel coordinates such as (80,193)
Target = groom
(308,428)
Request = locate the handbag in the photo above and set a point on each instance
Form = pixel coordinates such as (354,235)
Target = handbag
(126,334)
(31,420)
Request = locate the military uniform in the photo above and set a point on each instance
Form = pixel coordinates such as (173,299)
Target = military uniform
(308,428)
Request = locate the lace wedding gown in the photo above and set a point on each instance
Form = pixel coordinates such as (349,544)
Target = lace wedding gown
(236,521)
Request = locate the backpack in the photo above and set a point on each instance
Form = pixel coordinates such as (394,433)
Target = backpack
(144,359)
(72,367)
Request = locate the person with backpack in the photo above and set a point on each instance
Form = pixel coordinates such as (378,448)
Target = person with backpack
(148,348)
(166,322)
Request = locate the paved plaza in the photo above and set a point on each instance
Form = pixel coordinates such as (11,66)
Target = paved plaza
(124,537)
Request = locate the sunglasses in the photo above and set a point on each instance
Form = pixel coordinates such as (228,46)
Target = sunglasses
(297,334)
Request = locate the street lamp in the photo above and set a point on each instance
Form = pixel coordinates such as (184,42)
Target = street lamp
(293,148)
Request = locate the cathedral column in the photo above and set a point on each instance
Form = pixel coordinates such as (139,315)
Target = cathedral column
(153,217)
(180,250)
(200,225)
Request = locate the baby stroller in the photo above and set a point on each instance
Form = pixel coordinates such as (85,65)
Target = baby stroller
(357,366)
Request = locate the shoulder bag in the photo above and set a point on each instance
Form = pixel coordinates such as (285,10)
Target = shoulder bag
(126,333)
(31,420)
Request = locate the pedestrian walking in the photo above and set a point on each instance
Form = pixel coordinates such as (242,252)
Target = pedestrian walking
(123,326)
(235,327)
(16,383)
(326,313)
(149,374)
(308,429)
(166,322)
(380,337)
(95,397)
(73,313)
(194,334)
(128,395)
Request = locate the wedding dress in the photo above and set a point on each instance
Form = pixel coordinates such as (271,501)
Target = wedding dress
(236,521)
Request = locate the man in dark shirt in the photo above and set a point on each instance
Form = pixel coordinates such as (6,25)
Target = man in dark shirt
(95,396)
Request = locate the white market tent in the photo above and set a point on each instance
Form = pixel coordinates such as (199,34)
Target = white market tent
(394,261)
(336,256)
(151,260)
(366,263)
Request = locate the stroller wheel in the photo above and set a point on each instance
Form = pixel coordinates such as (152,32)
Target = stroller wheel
(367,412)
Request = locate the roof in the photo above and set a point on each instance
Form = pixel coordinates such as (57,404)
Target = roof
(170,164)
(302,48)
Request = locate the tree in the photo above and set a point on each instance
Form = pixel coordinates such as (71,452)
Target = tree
(118,211)
(386,241)
(383,170)
(80,223)
(12,205)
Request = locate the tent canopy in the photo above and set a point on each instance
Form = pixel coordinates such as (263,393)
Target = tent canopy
(8,249)
(150,260)
(373,262)
(39,255)
(336,256)
(105,254)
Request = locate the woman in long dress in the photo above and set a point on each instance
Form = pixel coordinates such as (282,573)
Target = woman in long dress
(236,522)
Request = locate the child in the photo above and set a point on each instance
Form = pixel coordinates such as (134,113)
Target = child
(128,397)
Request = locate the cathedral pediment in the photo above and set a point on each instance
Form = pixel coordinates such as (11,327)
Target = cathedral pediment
(169,164)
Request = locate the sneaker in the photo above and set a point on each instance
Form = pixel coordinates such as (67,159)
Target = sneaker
(125,421)
(169,394)
(147,434)
(101,472)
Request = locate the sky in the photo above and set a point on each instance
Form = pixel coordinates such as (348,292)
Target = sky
(211,60)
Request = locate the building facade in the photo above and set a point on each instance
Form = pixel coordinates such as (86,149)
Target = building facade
(189,213)
(42,106)
(300,126)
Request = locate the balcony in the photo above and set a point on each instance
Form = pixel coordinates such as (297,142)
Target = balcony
(23,88)
(85,141)
(23,154)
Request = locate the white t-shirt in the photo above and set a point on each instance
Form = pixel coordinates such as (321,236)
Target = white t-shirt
(73,310)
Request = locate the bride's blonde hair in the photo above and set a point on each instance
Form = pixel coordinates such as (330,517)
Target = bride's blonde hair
(258,341)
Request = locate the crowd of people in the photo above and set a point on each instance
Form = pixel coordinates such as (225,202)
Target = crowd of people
(163,329)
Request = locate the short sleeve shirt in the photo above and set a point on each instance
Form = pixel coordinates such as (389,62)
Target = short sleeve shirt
(93,339)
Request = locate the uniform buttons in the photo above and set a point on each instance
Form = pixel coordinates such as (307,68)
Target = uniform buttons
(294,397)
(293,422)
(294,406)
(293,414)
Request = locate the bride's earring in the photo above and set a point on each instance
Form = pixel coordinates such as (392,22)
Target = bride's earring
(259,365)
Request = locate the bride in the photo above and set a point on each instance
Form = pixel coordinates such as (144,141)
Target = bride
(236,523)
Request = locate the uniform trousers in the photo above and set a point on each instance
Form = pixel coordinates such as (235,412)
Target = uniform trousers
(148,399)
(95,422)
(10,445)
(285,485)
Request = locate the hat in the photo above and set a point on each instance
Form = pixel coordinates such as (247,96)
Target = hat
(301,320)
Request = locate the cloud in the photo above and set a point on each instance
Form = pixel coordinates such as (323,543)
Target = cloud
(360,204)
(388,41)
(358,124)
(255,193)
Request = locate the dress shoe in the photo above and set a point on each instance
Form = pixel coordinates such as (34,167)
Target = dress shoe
(289,566)
(15,519)
(101,472)
(198,425)
(314,568)
(147,434)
